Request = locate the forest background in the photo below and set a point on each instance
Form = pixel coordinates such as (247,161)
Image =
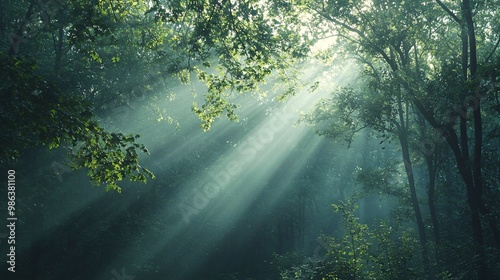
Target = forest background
(417,105)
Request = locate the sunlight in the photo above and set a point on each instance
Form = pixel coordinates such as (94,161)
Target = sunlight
(304,154)
(252,164)
(250,155)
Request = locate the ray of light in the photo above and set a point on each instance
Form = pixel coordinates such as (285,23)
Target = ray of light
(220,194)
(244,158)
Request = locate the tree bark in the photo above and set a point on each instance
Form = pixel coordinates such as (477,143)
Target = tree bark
(59,51)
(17,38)
(3,26)
(403,139)
(475,195)
(431,162)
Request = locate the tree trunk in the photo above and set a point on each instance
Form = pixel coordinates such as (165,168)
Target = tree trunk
(432,207)
(469,171)
(403,139)
(431,162)
(473,200)
(58,45)
(3,27)
(17,38)
(476,190)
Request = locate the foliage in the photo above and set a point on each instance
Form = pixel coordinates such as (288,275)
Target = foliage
(309,269)
(286,261)
(110,157)
(71,60)
(381,180)
(351,110)
(384,252)
(351,251)
(35,112)
(248,40)
(423,61)
(395,252)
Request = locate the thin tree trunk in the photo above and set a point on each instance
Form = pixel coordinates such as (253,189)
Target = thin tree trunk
(59,51)
(470,171)
(475,193)
(432,198)
(403,139)
(3,26)
(17,38)
(431,162)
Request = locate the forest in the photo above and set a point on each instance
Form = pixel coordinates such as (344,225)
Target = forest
(250,139)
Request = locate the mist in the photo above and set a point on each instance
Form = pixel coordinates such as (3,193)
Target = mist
(249,140)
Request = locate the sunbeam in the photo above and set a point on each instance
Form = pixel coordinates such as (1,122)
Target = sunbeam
(245,157)
(249,140)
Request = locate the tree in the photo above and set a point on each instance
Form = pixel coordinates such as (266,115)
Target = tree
(248,40)
(383,104)
(413,41)
(35,112)
(105,54)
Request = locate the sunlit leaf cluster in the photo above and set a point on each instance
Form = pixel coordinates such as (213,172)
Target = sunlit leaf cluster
(35,112)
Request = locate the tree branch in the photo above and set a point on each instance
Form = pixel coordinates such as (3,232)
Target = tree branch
(18,37)
(443,6)
(493,51)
